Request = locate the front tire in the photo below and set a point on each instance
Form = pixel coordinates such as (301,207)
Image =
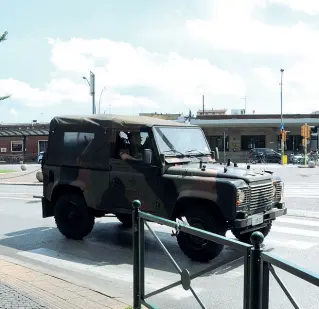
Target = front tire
(125,219)
(199,249)
(246,236)
(72,216)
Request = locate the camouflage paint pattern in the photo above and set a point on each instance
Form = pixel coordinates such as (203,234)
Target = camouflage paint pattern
(112,187)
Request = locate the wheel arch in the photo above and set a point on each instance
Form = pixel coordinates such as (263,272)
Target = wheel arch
(62,189)
(187,201)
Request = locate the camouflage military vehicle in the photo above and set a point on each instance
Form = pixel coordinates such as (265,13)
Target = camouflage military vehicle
(172,171)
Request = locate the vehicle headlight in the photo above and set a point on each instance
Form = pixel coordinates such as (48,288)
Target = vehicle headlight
(240,196)
(274,189)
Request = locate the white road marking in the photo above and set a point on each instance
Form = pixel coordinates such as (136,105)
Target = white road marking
(17,198)
(298,221)
(295,231)
(301,189)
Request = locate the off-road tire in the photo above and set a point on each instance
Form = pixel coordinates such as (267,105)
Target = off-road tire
(83,217)
(246,236)
(210,222)
(125,219)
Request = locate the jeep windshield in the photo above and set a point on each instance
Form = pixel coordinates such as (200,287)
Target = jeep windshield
(177,141)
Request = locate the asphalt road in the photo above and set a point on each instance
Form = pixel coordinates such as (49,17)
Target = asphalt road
(103,261)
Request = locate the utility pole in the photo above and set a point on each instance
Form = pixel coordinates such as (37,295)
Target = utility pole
(91,83)
(224,147)
(104,88)
(281,120)
(92,91)
(245,99)
(203,105)
(306,134)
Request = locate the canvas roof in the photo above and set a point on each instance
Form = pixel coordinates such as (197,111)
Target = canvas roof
(113,121)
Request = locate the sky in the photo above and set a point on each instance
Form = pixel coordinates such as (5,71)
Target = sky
(157,56)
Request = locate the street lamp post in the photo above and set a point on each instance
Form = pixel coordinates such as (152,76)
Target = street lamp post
(104,88)
(92,90)
(281,120)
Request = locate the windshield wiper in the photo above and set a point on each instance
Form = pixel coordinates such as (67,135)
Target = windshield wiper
(175,151)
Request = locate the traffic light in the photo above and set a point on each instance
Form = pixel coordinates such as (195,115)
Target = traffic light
(305,131)
(284,135)
(303,127)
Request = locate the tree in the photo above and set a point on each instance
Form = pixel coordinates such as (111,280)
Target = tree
(3,37)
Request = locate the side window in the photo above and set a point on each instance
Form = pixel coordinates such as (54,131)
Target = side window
(75,146)
(76,142)
(133,143)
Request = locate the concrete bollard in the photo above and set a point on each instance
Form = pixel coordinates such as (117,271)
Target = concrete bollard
(311,164)
(23,167)
(39,176)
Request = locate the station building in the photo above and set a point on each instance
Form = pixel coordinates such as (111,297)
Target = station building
(237,134)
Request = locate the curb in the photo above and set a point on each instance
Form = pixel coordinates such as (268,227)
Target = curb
(21,183)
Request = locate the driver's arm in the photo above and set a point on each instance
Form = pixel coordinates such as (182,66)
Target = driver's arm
(126,156)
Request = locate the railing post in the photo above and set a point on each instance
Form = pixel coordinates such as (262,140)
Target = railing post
(265,298)
(136,256)
(256,271)
(141,228)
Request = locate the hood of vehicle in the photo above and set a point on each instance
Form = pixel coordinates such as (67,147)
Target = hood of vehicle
(219,171)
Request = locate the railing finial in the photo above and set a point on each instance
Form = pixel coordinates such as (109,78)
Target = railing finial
(257,238)
(136,204)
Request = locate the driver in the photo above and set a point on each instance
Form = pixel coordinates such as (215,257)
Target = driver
(135,145)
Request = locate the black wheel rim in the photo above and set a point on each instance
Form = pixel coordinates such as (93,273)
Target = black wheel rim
(196,243)
(71,216)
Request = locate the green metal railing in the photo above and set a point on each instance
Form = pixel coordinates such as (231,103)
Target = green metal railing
(257,264)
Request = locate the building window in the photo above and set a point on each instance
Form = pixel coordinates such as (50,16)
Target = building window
(218,141)
(253,141)
(16,146)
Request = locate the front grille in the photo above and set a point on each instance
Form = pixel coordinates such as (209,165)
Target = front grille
(259,195)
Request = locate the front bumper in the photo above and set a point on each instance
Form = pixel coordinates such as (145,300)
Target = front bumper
(260,219)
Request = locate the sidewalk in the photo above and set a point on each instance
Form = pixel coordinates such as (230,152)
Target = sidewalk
(21,287)
(20,178)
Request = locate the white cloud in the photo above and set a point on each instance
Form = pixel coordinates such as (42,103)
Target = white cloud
(119,65)
(123,65)
(232,27)
(310,7)
(56,91)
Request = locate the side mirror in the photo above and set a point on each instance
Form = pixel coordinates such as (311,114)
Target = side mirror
(217,154)
(147,156)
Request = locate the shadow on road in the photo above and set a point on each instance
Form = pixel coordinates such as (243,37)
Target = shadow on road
(111,244)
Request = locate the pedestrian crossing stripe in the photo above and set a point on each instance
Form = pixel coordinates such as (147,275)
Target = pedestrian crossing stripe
(302,190)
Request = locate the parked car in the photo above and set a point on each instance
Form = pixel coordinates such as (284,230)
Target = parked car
(40,156)
(270,155)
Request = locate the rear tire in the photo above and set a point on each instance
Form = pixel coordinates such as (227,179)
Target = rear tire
(199,249)
(246,236)
(72,216)
(125,219)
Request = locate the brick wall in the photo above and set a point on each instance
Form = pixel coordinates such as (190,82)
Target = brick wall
(31,145)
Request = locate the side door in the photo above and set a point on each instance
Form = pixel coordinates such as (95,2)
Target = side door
(131,180)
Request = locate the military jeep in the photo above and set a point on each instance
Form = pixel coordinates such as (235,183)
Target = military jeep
(172,171)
